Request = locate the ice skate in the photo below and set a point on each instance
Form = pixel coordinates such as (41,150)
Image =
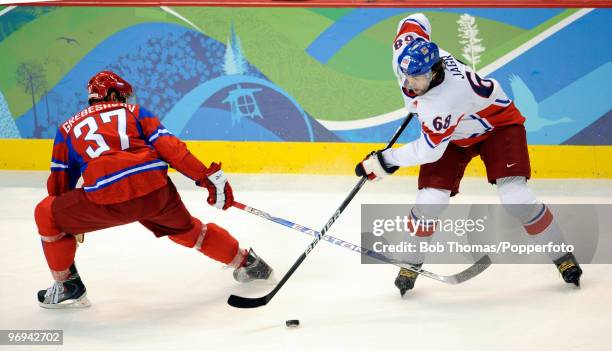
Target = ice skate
(405,279)
(254,268)
(569,268)
(70,293)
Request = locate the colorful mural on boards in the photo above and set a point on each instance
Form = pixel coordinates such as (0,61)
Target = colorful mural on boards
(298,74)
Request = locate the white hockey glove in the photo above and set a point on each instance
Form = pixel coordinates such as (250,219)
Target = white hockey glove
(374,167)
(220,193)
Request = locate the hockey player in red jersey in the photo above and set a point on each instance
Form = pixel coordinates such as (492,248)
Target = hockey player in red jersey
(461,115)
(122,151)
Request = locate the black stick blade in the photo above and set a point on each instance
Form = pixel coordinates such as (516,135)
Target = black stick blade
(247,302)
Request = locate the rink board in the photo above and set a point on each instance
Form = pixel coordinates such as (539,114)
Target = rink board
(569,161)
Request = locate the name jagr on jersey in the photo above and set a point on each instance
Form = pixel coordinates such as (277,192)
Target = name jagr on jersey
(452,66)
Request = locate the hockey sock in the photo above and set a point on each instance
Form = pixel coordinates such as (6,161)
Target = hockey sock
(213,241)
(60,256)
(538,221)
(59,247)
(430,203)
(422,230)
(543,228)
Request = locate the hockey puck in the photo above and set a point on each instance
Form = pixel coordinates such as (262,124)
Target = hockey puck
(292,323)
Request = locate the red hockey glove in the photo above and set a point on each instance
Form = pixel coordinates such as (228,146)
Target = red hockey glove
(219,190)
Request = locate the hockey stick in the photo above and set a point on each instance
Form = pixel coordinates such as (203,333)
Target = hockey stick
(246,302)
(475,269)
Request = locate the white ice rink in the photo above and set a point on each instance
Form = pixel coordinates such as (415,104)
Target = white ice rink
(151,294)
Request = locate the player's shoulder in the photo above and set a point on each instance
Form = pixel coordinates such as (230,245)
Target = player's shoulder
(143,112)
(451,91)
(444,53)
(453,68)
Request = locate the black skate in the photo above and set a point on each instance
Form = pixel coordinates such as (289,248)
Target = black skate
(254,268)
(67,294)
(569,268)
(405,279)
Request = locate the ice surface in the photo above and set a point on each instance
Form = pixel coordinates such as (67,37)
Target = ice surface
(151,294)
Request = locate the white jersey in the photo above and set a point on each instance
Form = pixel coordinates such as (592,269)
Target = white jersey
(463,109)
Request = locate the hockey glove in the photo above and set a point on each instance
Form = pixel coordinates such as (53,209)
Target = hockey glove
(219,190)
(374,167)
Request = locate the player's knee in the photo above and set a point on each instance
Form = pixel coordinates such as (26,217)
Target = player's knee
(431,202)
(190,237)
(517,198)
(43,215)
(514,190)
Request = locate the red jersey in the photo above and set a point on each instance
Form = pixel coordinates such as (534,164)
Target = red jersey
(122,151)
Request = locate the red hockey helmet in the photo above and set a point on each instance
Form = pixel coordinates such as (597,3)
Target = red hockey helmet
(100,85)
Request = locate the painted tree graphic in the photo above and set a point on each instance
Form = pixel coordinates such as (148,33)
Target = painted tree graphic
(235,63)
(31,77)
(468,35)
(8,129)
(45,96)
(229,64)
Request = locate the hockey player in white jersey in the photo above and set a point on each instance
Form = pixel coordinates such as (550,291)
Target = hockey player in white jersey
(462,115)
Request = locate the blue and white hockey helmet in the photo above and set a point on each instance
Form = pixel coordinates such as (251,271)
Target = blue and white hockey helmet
(418,58)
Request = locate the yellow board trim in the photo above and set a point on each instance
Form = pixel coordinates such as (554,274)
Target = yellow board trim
(554,161)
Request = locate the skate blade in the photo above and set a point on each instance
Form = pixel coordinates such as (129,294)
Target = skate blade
(81,302)
(271,280)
